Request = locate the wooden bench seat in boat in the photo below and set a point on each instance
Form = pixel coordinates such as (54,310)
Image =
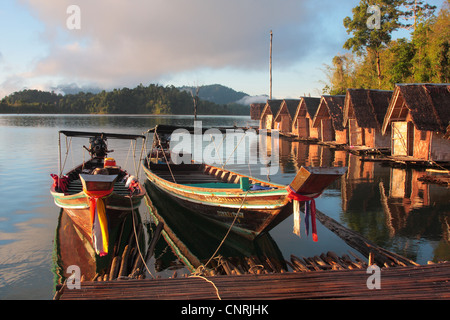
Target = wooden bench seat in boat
(75,186)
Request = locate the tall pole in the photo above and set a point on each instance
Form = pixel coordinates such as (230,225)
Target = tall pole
(271,37)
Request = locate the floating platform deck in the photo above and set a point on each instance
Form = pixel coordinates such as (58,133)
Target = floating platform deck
(429,282)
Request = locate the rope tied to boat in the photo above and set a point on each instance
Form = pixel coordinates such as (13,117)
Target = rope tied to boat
(310,209)
(136,236)
(202,269)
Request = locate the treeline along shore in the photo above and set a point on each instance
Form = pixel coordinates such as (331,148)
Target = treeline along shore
(151,99)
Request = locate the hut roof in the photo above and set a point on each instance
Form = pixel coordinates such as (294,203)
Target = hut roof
(272,107)
(428,105)
(368,107)
(256,110)
(312,104)
(331,107)
(291,106)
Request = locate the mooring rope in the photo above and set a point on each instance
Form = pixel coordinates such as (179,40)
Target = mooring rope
(136,237)
(229,229)
(164,154)
(200,269)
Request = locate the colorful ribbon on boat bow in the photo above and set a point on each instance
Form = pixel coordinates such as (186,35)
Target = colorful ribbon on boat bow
(97,207)
(310,210)
(60,183)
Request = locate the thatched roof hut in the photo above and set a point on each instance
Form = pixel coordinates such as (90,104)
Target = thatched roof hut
(331,107)
(256,110)
(367,107)
(329,119)
(302,122)
(269,112)
(428,105)
(419,115)
(283,119)
(364,113)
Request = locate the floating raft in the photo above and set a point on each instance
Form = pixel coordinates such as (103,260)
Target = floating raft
(402,283)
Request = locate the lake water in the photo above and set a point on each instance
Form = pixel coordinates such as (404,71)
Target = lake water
(386,205)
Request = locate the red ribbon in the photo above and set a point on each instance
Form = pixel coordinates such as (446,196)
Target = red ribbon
(292,195)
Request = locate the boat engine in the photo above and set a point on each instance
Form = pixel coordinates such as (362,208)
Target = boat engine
(97,147)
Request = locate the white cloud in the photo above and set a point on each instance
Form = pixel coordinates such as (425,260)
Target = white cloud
(122,43)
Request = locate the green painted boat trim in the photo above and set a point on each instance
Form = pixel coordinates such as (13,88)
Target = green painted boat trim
(81,195)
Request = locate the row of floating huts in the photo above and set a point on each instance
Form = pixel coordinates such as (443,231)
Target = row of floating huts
(411,123)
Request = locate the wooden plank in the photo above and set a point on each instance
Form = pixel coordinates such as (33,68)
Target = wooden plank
(424,282)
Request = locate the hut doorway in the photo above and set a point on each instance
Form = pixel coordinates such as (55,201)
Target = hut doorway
(402,138)
(356,133)
(303,127)
(326,130)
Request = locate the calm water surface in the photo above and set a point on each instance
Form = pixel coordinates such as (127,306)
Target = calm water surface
(388,206)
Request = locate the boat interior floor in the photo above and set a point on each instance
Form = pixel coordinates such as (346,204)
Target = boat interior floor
(199,175)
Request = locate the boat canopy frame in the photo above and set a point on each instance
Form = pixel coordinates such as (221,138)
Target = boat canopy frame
(83,134)
(87,134)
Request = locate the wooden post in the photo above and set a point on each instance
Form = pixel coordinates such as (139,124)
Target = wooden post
(270,66)
(195,99)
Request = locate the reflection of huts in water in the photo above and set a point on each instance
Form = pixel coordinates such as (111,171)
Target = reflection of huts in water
(405,194)
(329,120)
(256,110)
(283,119)
(358,191)
(303,118)
(269,112)
(419,116)
(364,113)
(305,154)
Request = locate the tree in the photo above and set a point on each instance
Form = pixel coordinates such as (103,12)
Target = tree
(418,11)
(369,38)
(398,64)
(340,74)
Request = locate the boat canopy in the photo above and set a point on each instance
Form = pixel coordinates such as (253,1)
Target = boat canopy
(170,129)
(83,134)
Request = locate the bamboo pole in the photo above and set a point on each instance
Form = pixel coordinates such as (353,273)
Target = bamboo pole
(270,65)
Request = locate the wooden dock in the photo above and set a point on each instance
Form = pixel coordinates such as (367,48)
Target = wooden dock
(429,282)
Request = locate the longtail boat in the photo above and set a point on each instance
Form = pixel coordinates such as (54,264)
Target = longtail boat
(98,194)
(249,205)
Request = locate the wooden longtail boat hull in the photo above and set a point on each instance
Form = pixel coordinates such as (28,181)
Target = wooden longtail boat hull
(255,210)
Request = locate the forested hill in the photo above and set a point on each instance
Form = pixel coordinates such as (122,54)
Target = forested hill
(152,99)
(216,93)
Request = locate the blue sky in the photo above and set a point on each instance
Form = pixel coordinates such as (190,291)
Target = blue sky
(172,42)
